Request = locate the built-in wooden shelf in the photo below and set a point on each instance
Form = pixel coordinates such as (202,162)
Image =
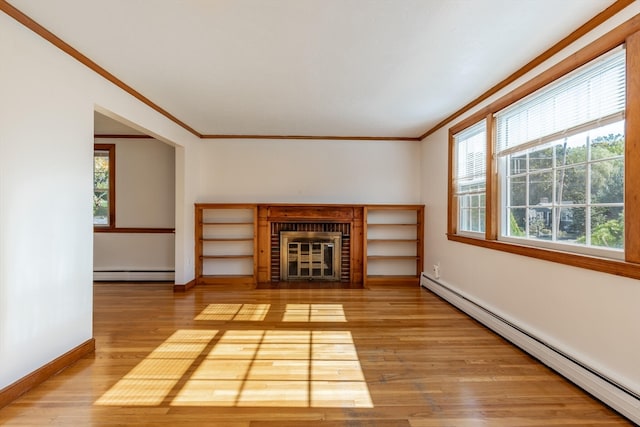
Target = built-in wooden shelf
(234,241)
(225,243)
(393,243)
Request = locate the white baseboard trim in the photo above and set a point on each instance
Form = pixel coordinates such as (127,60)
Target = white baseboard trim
(625,401)
(126,276)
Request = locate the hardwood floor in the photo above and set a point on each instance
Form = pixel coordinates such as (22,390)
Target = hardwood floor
(220,356)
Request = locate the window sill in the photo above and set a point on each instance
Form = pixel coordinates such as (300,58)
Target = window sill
(604,265)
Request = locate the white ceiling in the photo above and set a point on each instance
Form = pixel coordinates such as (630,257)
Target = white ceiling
(385,68)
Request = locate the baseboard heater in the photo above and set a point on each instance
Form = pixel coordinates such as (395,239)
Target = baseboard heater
(133,275)
(617,396)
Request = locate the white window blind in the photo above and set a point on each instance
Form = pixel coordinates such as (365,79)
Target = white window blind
(471,158)
(593,95)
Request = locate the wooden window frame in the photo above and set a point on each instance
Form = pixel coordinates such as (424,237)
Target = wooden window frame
(627,34)
(455,200)
(111,148)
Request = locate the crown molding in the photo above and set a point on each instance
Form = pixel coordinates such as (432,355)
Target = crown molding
(118,136)
(315,137)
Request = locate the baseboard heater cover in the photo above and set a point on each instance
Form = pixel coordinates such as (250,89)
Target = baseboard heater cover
(133,275)
(618,397)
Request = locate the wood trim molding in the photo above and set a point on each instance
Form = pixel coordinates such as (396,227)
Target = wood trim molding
(632,152)
(133,230)
(23,385)
(77,55)
(316,137)
(452,204)
(556,48)
(603,265)
(491,198)
(116,136)
(111,148)
(184,287)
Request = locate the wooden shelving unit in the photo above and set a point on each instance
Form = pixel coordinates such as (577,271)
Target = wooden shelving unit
(393,244)
(233,241)
(226,243)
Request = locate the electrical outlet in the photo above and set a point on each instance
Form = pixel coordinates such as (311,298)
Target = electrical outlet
(436,270)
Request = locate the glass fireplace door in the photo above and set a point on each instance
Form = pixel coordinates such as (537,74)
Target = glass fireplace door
(306,257)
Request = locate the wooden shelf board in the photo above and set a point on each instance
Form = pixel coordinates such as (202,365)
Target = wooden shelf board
(396,276)
(375,257)
(227,239)
(393,280)
(226,256)
(226,223)
(225,279)
(392,240)
(226,276)
(377,224)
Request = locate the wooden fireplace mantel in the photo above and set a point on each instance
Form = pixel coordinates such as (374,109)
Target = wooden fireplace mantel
(236,243)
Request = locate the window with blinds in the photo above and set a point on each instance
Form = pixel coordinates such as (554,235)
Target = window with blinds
(560,158)
(470,177)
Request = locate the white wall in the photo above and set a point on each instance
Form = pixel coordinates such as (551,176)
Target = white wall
(591,316)
(46,152)
(145,198)
(309,171)
(145,183)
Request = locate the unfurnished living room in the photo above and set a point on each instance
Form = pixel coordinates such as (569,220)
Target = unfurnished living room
(320,213)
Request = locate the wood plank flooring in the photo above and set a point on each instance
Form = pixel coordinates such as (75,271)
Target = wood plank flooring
(219,356)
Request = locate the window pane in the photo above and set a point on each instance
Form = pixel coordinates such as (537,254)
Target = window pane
(517,164)
(470,176)
(607,181)
(517,222)
(571,185)
(464,220)
(541,159)
(100,208)
(518,191)
(607,141)
(481,220)
(463,202)
(475,201)
(540,188)
(572,150)
(607,227)
(572,224)
(540,223)
(101,187)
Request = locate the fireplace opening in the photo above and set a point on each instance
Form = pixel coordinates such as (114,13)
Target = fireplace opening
(310,255)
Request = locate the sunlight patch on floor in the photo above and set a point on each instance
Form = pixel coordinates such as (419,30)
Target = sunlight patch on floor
(314,313)
(154,377)
(237,312)
(253,367)
(279,369)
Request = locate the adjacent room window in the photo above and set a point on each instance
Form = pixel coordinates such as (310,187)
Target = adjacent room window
(560,154)
(470,178)
(103,185)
